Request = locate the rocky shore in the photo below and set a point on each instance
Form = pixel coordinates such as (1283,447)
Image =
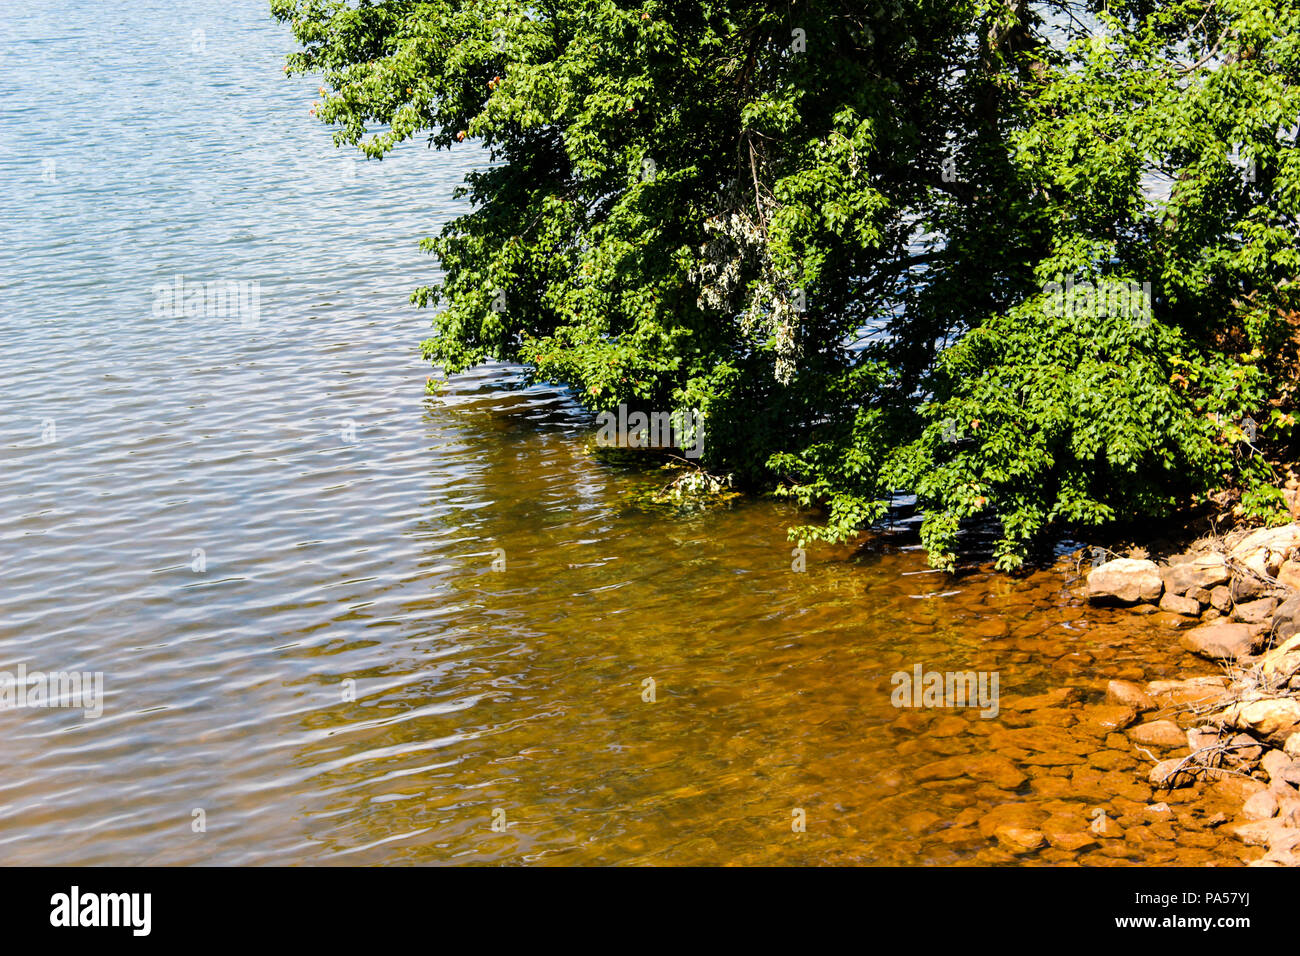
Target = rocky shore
(1234,601)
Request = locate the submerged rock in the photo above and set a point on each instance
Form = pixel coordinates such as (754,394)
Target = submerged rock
(1128,694)
(1158,733)
(1222,640)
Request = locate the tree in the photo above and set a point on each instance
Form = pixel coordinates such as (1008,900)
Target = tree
(1058,236)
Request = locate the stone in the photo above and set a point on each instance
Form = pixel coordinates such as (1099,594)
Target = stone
(1200,595)
(1280,767)
(1158,733)
(1248,587)
(1272,718)
(1193,691)
(1288,576)
(1292,746)
(1053,698)
(1128,694)
(1261,806)
(1202,572)
(1068,833)
(1185,606)
(1102,719)
(1281,541)
(1269,833)
(991,768)
(1019,839)
(1244,749)
(1255,612)
(1286,619)
(1124,581)
(1282,661)
(1167,775)
(1026,816)
(921,820)
(1221,598)
(1221,641)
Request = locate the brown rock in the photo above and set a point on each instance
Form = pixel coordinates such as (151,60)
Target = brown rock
(1286,619)
(1283,660)
(1221,640)
(1255,612)
(1261,806)
(1019,839)
(1124,581)
(1053,698)
(1247,587)
(1166,775)
(1221,598)
(1068,833)
(987,767)
(1158,733)
(1280,767)
(1205,571)
(1288,576)
(1102,719)
(1200,595)
(1192,691)
(1176,604)
(1271,718)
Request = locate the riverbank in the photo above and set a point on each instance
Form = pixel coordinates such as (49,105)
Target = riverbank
(1234,602)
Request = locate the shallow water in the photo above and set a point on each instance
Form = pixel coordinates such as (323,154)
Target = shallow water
(353,623)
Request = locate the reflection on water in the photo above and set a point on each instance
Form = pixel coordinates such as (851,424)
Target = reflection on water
(352,623)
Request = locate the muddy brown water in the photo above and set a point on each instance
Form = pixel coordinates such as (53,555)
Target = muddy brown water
(339,621)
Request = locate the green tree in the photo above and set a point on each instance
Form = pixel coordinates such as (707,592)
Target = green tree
(1025,261)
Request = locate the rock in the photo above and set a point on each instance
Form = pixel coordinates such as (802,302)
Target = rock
(1286,619)
(1026,816)
(1053,698)
(1274,834)
(1292,746)
(1202,572)
(1221,598)
(1254,612)
(1124,581)
(1158,733)
(1282,661)
(1068,833)
(992,768)
(1166,775)
(1261,806)
(1244,749)
(1186,606)
(1221,640)
(1289,575)
(1281,542)
(1128,694)
(1019,839)
(1280,767)
(1193,691)
(1102,719)
(1247,587)
(1200,595)
(1272,718)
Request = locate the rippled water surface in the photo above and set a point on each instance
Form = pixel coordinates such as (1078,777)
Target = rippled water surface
(280,552)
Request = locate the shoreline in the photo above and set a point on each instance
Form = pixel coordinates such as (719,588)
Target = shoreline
(1233,601)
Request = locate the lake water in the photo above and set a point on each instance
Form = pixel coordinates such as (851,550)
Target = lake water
(341,621)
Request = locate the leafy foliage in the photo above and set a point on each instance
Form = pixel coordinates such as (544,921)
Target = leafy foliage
(841,230)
